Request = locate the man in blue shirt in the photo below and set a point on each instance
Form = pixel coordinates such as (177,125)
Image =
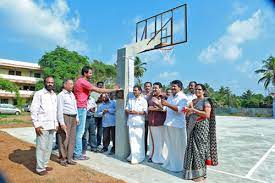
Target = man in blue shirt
(107,110)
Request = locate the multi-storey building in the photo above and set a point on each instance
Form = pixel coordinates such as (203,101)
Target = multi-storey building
(23,74)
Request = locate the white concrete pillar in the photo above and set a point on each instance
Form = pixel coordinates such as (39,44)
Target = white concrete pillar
(125,79)
(122,139)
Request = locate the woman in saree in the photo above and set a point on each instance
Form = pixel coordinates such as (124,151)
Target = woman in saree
(201,147)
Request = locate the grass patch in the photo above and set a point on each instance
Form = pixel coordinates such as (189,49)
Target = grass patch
(13,115)
(13,121)
(6,119)
(4,115)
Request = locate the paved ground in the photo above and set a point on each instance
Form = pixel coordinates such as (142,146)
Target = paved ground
(246,154)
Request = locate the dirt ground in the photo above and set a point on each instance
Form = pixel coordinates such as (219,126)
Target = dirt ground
(17,163)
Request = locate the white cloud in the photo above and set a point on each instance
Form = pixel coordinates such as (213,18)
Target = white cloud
(46,25)
(168,75)
(228,47)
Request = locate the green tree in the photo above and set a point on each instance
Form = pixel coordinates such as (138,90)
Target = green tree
(247,95)
(267,72)
(9,86)
(139,69)
(224,95)
(103,72)
(61,63)
(209,89)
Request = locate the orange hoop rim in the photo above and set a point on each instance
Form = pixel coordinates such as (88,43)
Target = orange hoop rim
(164,46)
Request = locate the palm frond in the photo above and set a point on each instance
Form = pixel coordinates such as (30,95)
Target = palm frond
(260,71)
(262,79)
(266,83)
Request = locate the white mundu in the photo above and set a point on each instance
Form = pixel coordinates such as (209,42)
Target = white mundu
(136,129)
(175,133)
(157,144)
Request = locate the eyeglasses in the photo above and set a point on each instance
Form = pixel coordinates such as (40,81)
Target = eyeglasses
(199,89)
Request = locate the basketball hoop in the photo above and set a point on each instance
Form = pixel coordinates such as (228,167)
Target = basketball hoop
(166,51)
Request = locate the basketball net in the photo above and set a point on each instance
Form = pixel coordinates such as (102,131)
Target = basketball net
(167,52)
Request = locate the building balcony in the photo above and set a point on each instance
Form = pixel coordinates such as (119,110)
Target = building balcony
(20,79)
(19,64)
(23,94)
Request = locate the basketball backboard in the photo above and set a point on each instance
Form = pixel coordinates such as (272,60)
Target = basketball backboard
(170,27)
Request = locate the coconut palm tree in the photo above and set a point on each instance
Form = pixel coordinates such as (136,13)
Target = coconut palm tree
(268,72)
(139,69)
(268,75)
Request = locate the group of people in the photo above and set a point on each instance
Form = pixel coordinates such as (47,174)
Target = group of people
(181,128)
(65,114)
(178,128)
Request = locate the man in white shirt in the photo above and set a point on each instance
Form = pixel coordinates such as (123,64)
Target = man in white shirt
(191,91)
(44,118)
(175,130)
(136,109)
(68,119)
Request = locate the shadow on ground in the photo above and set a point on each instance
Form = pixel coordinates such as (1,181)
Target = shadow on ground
(27,158)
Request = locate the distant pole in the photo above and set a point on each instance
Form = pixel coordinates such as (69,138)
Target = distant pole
(273,107)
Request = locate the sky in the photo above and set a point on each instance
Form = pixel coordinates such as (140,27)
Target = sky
(227,40)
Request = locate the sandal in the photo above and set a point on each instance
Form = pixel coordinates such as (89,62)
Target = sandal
(63,163)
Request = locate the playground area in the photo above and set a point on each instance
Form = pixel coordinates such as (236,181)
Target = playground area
(245,145)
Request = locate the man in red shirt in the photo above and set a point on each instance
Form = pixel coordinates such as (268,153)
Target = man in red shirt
(82,89)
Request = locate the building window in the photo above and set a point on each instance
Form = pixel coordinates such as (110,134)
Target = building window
(18,73)
(11,72)
(37,75)
(4,101)
(25,87)
(32,88)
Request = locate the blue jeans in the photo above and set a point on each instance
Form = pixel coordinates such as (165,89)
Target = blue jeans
(80,131)
(89,134)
